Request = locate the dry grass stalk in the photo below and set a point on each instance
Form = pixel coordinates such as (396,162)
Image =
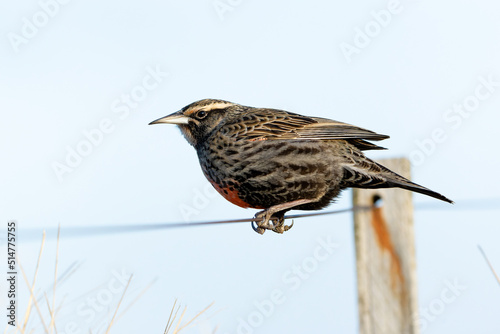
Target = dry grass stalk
(489,263)
(178,326)
(118,306)
(53,313)
(30,302)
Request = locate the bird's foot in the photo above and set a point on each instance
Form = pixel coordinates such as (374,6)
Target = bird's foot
(264,220)
(280,227)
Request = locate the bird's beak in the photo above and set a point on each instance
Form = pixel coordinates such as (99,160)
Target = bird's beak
(175,118)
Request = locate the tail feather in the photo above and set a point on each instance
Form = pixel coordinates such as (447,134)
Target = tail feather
(369,174)
(408,185)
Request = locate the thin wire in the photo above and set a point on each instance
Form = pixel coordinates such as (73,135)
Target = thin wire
(81,231)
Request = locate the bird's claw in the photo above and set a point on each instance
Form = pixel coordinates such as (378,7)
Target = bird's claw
(262,222)
(257,228)
(281,227)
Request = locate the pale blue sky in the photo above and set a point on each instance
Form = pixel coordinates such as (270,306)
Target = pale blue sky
(72,75)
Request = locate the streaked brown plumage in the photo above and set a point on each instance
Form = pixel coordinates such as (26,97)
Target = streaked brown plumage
(277,161)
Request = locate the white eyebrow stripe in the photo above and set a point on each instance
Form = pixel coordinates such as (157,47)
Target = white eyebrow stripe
(218,105)
(213,106)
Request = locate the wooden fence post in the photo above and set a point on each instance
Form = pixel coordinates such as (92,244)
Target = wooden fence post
(385,258)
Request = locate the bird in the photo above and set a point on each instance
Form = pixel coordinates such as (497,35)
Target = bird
(276,161)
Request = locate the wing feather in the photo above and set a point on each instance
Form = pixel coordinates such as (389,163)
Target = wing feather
(269,124)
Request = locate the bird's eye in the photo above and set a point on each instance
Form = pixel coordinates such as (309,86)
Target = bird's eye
(201,114)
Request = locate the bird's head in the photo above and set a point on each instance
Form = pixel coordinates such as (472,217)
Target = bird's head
(198,119)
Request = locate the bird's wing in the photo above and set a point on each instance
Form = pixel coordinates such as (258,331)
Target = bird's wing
(269,124)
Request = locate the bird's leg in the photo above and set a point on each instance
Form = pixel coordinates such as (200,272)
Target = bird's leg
(265,220)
